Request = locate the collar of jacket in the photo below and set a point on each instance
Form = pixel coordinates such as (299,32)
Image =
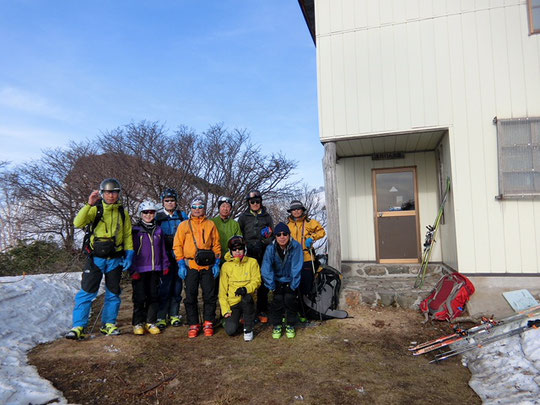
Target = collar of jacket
(197,220)
(302,218)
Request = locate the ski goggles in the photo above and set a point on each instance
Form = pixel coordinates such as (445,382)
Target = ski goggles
(255,201)
(197,207)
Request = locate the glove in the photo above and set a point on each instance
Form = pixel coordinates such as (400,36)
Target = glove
(241,291)
(166,271)
(182,269)
(309,242)
(128,259)
(215,269)
(136,276)
(266,232)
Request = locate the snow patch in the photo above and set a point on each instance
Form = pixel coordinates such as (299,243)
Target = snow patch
(33,310)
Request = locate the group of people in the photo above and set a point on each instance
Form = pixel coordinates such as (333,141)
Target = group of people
(167,251)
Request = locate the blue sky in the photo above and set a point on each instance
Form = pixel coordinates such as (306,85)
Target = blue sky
(72,69)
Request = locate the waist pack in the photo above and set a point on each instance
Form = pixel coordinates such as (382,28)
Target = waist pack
(104,247)
(447,300)
(205,257)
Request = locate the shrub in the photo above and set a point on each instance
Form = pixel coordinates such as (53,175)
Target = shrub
(38,257)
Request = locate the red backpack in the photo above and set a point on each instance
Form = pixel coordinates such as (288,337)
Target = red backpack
(448,298)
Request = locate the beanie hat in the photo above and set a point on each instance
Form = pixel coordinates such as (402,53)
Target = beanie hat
(296,204)
(198,201)
(281,227)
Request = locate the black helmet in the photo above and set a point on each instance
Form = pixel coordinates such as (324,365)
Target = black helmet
(110,185)
(236,242)
(224,199)
(253,194)
(169,192)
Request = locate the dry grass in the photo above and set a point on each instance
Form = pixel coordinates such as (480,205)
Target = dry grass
(358,360)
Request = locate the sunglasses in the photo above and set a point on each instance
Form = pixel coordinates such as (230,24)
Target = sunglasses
(169,201)
(197,207)
(148,212)
(234,249)
(255,201)
(282,234)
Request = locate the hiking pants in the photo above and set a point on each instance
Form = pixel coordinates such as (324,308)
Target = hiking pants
(246,307)
(145,298)
(91,279)
(205,279)
(285,303)
(170,292)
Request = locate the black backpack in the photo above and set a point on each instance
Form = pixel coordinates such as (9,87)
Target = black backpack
(89,229)
(323,301)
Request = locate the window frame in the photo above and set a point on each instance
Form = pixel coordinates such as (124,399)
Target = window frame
(502,144)
(530,15)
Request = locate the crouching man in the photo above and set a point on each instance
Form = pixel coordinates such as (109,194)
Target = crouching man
(281,270)
(240,277)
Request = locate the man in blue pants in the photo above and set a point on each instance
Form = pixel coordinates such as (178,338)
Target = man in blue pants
(170,292)
(110,251)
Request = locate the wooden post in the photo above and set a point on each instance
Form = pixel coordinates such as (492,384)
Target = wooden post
(332,208)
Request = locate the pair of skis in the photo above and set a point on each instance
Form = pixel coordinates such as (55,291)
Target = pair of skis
(468,334)
(430,239)
(532,324)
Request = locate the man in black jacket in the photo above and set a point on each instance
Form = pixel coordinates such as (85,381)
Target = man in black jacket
(256,225)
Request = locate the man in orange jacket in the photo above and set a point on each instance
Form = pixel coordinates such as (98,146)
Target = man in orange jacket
(198,250)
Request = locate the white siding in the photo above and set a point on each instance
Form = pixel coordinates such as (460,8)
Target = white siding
(355,190)
(407,65)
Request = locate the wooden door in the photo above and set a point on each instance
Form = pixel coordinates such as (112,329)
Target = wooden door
(396,215)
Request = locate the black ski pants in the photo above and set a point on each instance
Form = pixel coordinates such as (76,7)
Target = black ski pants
(204,279)
(245,308)
(145,297)
(285,303)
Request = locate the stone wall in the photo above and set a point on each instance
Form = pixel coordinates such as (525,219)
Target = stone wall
(386,284)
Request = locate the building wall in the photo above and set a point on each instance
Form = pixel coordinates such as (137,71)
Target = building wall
(405,65)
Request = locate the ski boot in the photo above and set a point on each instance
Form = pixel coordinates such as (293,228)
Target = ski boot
(248,336)
(194,330)
(161,323)
(277,331)
(138,330)
(208,328)
(153,329)
(110,329)
(290,332)
(76,333)
(176,321)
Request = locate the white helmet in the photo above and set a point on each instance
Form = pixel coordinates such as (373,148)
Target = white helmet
(147,205)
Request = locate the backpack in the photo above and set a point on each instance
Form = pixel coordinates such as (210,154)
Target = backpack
(447,300)
(323,301)
(89,229)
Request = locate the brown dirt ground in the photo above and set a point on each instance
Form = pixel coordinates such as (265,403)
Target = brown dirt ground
(363,359)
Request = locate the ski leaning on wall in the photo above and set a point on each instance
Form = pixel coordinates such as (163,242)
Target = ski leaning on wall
(431,234)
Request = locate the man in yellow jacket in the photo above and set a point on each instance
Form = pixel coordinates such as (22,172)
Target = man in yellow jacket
(110,251)
(197,249)
(305,231)
(240,277)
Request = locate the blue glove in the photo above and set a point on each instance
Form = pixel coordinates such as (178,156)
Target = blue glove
(128,260)
(182,269)
(309,242)
(215,269)
(266,232)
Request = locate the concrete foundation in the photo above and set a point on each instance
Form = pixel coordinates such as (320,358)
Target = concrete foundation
(393,285)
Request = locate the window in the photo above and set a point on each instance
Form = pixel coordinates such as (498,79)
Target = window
(518,143)
(533,7)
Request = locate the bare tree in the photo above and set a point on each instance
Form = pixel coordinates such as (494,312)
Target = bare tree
(146,160)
